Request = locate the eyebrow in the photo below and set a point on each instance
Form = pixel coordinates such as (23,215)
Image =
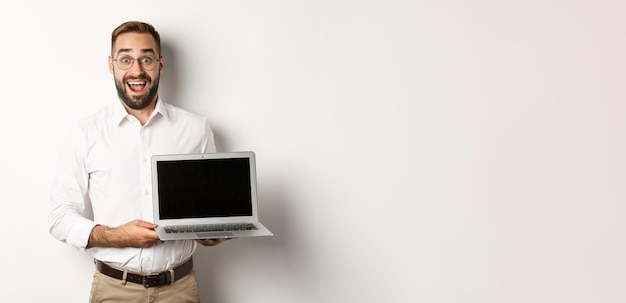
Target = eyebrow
(143,50)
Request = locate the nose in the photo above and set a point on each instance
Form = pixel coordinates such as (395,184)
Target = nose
(136,67)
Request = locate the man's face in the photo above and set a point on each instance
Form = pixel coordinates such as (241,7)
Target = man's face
(137,85)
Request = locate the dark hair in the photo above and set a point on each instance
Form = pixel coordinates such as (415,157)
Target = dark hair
(135,27)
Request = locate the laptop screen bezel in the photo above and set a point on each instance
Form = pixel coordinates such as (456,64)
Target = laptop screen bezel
(199,156)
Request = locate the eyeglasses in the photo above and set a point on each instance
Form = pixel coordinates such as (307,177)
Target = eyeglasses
(126,62)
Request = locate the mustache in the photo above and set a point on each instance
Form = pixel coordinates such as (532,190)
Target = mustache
(138,78)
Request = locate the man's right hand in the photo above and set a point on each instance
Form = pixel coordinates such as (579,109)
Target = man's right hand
(136,233)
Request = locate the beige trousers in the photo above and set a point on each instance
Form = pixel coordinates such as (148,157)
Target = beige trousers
(110,290)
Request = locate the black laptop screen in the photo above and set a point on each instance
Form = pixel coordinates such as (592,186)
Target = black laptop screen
(204,188)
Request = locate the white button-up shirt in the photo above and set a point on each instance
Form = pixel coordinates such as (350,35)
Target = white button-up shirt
(105,162)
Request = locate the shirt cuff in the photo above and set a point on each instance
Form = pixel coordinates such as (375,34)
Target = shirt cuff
(79,234)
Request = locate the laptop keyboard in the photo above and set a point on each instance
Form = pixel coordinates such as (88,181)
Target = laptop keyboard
(209,227)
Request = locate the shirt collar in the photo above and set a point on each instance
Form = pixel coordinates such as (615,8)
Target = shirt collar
(121,114)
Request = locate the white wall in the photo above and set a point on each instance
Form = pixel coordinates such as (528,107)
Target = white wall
(408,151)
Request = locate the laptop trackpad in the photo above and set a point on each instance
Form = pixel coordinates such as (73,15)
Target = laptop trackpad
(215,235)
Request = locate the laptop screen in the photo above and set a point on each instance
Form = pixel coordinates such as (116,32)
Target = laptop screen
(203,188)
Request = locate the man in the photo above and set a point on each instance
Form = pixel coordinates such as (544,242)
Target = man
(105,161)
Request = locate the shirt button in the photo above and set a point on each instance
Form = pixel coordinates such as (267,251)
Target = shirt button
(147,193)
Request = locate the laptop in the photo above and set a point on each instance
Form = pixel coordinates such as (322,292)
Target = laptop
(206,196)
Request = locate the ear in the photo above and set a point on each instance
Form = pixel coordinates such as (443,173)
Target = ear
(111,65)
(161,61)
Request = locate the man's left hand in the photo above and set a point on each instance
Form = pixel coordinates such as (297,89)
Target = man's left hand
(212,242)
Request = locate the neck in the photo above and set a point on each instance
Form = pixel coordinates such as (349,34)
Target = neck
(142,114)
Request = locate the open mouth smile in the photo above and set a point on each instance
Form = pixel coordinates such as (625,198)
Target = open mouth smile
(136,86)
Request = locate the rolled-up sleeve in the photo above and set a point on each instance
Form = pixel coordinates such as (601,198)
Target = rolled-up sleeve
(68,198)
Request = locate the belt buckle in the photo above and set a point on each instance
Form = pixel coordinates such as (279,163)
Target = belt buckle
(150,280)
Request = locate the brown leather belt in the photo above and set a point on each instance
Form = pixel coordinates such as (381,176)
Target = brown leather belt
(147,280)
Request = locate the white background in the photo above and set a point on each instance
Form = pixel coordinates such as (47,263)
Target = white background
(408,151)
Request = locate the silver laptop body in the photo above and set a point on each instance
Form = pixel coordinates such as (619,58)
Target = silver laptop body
(202,196)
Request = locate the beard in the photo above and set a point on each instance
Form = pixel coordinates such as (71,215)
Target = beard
(137,102)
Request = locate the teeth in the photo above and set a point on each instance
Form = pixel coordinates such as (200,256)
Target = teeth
(136,83)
